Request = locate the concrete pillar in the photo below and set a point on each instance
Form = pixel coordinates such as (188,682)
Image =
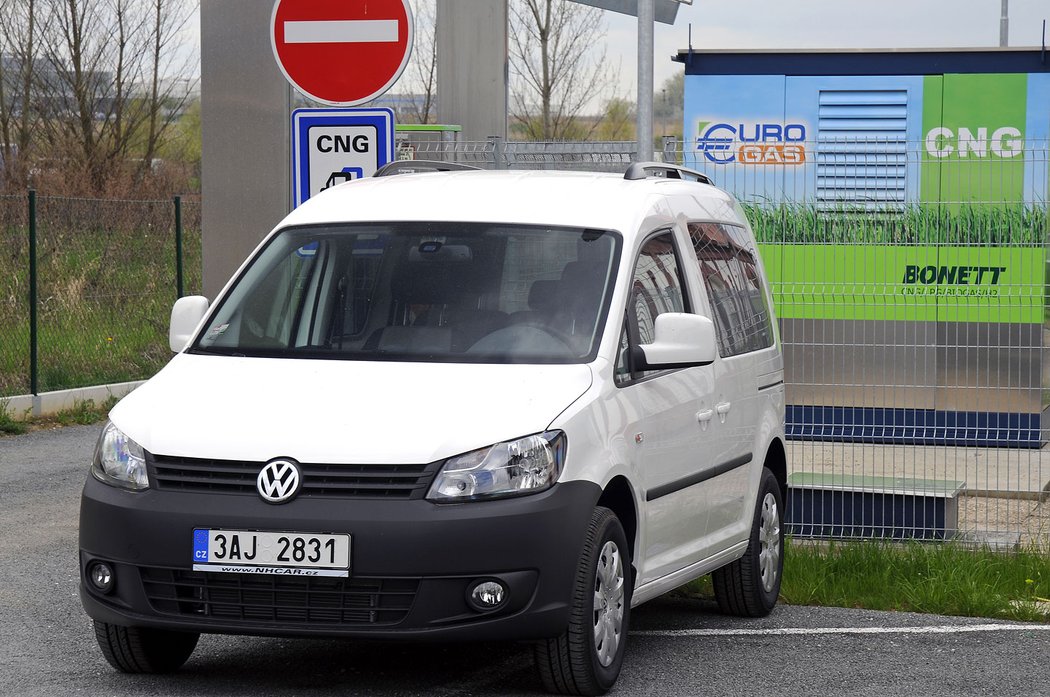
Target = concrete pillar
(245,162)
(472,66)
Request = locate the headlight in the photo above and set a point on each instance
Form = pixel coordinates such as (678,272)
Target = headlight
(119,460)
(523,466)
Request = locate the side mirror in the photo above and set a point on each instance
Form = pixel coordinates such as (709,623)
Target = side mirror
(682,340)
(186,314)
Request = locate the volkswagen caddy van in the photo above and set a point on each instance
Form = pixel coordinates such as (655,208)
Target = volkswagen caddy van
(458,405)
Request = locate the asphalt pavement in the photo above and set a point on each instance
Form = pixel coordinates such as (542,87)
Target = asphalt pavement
(677,646)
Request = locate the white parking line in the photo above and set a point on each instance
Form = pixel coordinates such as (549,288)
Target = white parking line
(790,631)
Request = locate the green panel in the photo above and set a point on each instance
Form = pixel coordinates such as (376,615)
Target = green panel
(911,283)
(979,141)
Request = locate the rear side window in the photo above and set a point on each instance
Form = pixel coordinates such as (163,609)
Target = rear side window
(729,266)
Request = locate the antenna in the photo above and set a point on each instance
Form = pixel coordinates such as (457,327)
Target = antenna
(690,57)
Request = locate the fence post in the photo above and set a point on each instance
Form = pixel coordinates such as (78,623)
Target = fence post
(670,154)
(178,247)
(498,154)
(34,377)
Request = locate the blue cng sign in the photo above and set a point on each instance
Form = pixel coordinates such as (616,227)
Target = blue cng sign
(332,146)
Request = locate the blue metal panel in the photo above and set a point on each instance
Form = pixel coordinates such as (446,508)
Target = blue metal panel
(824,513)
(716,109)
(913,426)
(1037,135)
(853,63)
(863,122)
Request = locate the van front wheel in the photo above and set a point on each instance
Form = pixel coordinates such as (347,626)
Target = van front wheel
(586,658)
(142,649)
(749,586)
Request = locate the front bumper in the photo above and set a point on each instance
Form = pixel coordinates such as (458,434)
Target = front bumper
(412,564)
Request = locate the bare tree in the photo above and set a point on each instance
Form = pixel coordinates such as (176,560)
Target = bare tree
(421,74)
(75,50)
(108,77)
(557,69)
(165,99)
(18,55)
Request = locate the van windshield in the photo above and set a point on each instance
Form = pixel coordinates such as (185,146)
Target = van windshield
(456,292)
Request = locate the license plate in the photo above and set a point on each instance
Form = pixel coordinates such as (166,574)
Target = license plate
(283,553)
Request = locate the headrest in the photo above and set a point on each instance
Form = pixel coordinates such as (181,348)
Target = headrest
(543,295)
(430,284)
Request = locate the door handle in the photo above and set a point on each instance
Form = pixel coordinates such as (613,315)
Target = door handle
(723,408)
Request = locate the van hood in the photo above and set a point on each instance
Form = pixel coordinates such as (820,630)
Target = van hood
(331,412)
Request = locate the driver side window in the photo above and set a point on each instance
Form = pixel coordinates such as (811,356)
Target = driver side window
(655,289)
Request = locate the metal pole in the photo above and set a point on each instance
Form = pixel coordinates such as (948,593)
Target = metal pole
(178,247)
(499,157)
(33,370)
(645,80)
(1004,24)
(670,154)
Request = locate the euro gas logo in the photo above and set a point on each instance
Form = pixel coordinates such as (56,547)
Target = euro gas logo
(752,143)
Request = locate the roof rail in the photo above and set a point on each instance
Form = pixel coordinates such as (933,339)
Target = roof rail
(416,166)
(640,170)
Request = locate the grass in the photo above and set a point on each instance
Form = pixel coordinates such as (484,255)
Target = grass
(922,224)
(943,579)
(106,283)
(9,426)
(82,413)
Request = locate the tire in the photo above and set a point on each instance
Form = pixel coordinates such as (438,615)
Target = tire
(144,650)
(749,586)
(578,662)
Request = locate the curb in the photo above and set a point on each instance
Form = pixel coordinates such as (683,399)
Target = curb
(25,406)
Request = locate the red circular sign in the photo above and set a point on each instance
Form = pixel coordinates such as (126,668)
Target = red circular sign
(342,53)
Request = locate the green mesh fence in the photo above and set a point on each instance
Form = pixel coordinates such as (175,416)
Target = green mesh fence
(106,274)
(14,295)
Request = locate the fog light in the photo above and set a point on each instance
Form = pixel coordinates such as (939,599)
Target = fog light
(487,596)
(101,576)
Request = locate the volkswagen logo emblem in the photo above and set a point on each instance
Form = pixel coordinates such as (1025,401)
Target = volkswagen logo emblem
(279,481)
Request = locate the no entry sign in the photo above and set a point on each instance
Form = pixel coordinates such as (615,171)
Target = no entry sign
(342,53)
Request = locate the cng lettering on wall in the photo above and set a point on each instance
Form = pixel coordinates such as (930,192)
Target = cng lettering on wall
(332,146)
(974,138)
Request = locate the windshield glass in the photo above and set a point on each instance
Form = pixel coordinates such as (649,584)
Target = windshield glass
(460,292)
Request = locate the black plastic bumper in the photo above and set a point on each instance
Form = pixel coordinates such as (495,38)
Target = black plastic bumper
(412,564)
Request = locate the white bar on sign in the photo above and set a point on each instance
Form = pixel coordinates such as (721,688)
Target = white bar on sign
(350,31)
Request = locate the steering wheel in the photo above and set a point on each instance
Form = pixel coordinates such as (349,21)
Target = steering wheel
(557,334)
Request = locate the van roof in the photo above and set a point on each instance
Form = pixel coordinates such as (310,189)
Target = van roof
(540,197)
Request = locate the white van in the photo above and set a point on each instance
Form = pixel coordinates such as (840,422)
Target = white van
(453,405)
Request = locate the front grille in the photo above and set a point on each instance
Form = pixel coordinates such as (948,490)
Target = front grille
(284,599)
(331,481)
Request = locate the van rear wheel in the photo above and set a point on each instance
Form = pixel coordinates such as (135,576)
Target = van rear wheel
(749,586)
(142,649)
(586,658)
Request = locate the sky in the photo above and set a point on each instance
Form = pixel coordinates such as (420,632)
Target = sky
(808,24)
